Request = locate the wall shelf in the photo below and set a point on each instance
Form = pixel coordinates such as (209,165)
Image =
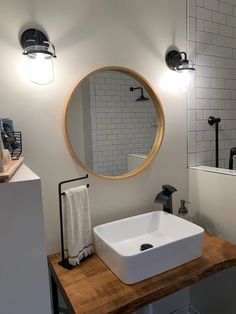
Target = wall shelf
(10,169)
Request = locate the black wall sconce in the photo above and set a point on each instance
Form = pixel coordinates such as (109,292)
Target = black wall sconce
(177,61)
(40,52)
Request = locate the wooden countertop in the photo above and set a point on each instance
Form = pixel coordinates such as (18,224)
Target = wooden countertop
(93,288)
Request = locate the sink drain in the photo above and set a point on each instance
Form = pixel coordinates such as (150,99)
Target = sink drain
(145,246)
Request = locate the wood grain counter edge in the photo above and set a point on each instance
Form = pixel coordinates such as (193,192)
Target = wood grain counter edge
(93,288)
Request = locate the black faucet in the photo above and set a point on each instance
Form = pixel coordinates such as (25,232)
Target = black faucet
(232,153)
(165,197)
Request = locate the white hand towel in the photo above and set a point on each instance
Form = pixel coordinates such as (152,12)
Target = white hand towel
(77,225)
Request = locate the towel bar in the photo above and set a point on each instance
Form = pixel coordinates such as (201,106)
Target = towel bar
(64,262)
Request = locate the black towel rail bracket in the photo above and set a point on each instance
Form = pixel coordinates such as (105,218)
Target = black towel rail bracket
(64,262)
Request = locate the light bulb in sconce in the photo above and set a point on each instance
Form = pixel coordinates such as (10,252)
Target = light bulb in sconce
(40,53)
(181,77)
(40,68)
(176,82)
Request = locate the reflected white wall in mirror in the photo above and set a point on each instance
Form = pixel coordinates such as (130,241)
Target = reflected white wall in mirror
(105,122)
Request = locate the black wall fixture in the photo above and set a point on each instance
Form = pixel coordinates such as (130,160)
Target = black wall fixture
(211,121)
(177,61)
(35,41)
(40,53)
(142,97)
(232,154)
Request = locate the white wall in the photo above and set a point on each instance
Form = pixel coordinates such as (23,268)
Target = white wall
(212,196)
(213,199)
(88,35)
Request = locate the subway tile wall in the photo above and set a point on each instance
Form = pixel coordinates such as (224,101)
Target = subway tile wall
(212,46)
(120,124)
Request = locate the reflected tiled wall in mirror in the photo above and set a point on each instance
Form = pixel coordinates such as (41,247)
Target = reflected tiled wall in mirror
(212,46)
(120,124)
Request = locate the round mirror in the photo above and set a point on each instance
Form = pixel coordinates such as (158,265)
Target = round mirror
(114,123)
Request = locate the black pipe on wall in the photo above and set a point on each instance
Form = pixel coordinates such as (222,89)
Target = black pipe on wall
(212,120)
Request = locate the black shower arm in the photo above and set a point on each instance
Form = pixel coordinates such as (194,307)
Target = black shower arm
(133,88)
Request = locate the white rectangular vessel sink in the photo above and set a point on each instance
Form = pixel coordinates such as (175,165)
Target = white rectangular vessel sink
(168,241)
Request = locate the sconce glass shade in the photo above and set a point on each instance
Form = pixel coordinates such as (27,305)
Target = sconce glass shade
(40,68)
(40,53)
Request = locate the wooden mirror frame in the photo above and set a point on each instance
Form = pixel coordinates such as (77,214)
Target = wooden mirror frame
(159,117)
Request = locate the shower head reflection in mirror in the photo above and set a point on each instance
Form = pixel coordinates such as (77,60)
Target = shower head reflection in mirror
(112,113)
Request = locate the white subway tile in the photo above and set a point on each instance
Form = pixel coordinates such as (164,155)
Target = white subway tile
(203,146)
(226,30)
(191,159)
(208,156)
(211,50)
(191,142)
(218,83)
(211,93)
(203,37)
(202,125)
(230,63)
(230,2)
(199,70)
(200,25)
(219,17)
(192,8)
(225,94)
(203,103)
(231,20)
(225,8)
(191,48)
(230,42)
(191,120)
(204,14)
(218,40)
(199,92)
(203,82)
(203,60)
(231,84)
(233,134)
(217,104)
(211,27)
(225,114)
(225,73)
(191,99)
(233,74)
(234,96)
(225,52)
(211,4)
(191,28)
(199,48)
(199,114)
(199,157)
(200,3)
(211,72)
(208,113)
(218,62)
(199,136)
(230,104)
